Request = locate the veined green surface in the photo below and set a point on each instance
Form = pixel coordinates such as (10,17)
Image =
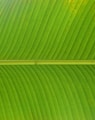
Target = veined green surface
(47,29)
(42,32)
(47,92)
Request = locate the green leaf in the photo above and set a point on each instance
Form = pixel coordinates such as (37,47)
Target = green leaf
(47,92)
(47,29)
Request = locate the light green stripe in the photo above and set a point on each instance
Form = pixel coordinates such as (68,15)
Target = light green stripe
(47,62)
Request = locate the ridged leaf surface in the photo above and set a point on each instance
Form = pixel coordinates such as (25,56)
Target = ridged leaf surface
(47,92)
(47,29)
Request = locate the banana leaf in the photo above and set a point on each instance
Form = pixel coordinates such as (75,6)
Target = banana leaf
(47,92)
(47,29)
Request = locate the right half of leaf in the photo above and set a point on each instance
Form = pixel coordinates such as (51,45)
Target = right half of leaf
(47,92)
